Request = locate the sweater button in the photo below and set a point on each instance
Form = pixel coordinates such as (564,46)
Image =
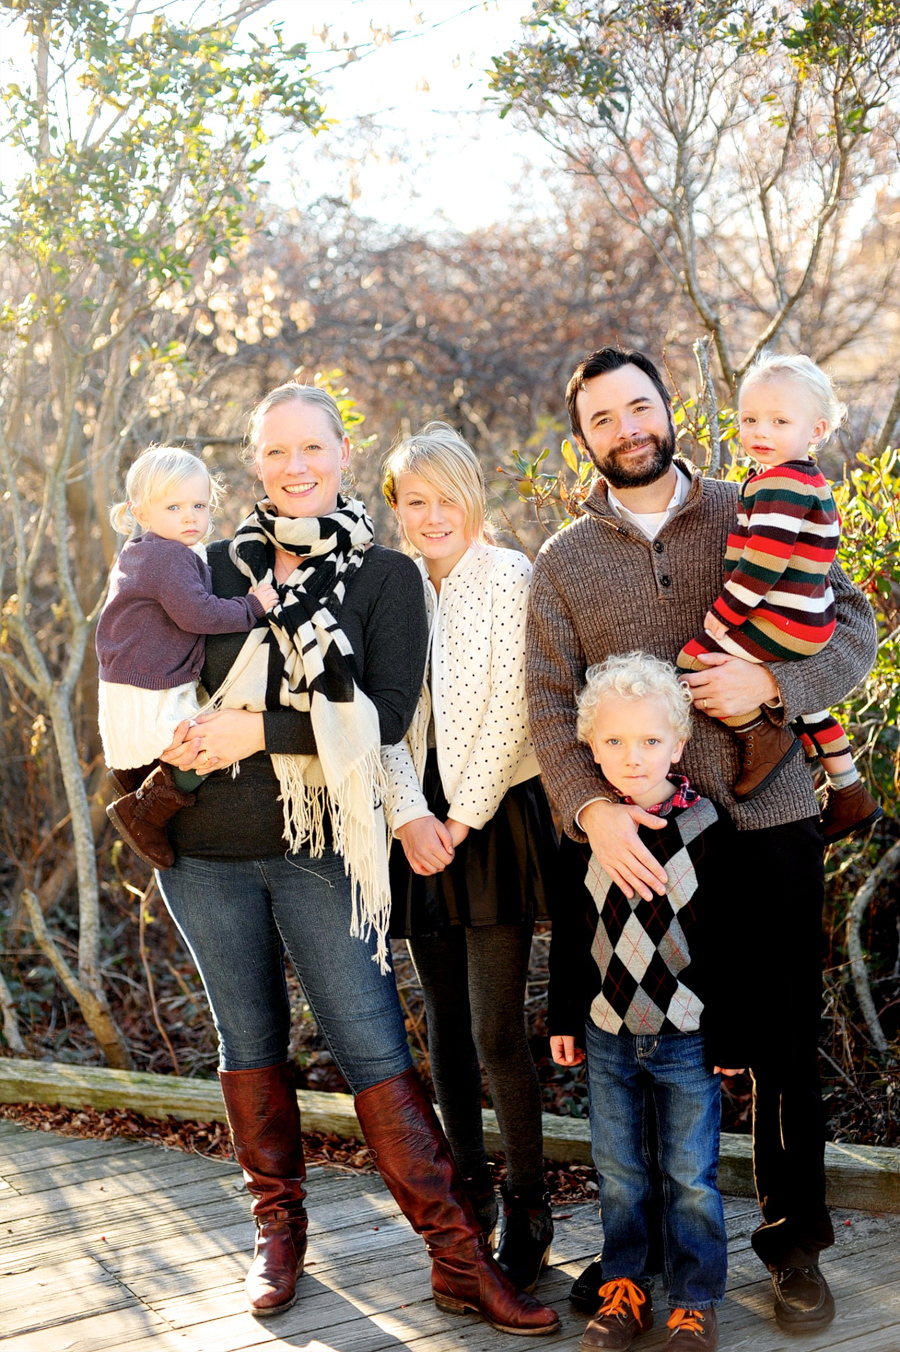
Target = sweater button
(620,530)
(658,546)
(666,580)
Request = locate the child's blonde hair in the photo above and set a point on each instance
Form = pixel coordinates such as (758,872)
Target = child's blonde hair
(153,475)
(634,676)
(446,462)
(805,371)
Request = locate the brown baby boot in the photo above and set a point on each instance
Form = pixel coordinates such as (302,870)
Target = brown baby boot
(126,781)
(845,811)
(765,750)
(140,817)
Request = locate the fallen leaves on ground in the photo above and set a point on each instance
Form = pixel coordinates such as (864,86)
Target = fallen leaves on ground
(568,1183)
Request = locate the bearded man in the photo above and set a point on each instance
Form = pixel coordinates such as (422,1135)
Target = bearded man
(638,571)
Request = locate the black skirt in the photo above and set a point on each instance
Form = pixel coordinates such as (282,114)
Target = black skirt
(500,875)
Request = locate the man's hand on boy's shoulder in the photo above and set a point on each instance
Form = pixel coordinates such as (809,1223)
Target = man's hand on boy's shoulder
(612,830)
(564,1051)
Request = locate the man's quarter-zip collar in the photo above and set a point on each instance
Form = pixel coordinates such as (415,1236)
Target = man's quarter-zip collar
(597,505)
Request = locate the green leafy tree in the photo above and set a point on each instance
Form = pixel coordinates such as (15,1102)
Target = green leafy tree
(131,151)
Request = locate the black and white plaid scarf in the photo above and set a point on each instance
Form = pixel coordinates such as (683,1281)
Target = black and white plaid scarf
(298,660)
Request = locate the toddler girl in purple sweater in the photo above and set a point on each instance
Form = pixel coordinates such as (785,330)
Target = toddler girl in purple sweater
(150,639)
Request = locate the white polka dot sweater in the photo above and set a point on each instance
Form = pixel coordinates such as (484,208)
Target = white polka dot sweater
(477,648)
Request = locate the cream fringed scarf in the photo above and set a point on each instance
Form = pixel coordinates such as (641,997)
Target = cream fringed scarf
(298,661)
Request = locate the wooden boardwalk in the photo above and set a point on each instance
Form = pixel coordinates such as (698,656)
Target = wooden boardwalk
(114,1245)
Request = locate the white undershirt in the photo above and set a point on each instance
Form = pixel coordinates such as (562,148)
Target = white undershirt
(651,523)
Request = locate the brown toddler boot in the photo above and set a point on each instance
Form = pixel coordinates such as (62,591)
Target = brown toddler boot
(845,811)
(126,781)
(140,817)
(765,750)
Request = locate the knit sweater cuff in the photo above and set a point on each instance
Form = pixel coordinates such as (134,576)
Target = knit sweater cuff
(256,605)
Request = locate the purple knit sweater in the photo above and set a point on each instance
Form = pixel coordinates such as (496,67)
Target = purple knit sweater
(160,606)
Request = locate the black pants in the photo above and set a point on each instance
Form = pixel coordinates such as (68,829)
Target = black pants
(788,1118)
(473,980)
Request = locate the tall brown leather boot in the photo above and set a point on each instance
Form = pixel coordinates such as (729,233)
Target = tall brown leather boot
(265,1131)
(140,817)
(414,1159)
(765,751)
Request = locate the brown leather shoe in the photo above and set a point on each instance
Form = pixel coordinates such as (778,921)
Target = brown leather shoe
(695,1330)
(625,1311)
(126,781)
(140,817)
(265,1131)
(414,1159)
(765,751)
(845,811)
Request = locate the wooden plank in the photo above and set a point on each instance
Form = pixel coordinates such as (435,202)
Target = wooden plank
(157,1096)
(858,1176)
(135,1172)
(93,1333)
(170,1275)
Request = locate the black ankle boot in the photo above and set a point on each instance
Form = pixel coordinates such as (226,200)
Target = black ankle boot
(527,1232)
(480,1192)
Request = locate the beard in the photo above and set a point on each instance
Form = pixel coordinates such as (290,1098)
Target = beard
(646,470)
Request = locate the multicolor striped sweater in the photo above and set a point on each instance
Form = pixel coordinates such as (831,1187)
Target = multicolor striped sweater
(779,553)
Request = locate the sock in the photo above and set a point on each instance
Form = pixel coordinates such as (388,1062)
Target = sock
(843,779)
(187,780)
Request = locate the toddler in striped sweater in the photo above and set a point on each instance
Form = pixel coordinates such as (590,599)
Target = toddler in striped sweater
(776,604)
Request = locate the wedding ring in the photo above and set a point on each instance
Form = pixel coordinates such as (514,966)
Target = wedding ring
(705,703)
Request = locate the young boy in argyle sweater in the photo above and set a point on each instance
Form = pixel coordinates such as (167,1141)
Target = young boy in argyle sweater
(658,989)
(776,604)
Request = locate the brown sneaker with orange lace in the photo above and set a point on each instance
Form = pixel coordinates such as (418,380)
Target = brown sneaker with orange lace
(692,1329)
(625,1311)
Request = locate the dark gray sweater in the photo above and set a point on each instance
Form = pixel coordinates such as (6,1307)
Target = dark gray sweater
(151,632)
(383,617)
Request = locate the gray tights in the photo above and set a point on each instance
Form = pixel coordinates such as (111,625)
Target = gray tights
(473,981)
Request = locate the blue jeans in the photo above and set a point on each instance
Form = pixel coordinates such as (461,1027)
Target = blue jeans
(685,1098)
(239,917)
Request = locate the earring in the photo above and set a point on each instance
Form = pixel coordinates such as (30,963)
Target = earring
(257,499)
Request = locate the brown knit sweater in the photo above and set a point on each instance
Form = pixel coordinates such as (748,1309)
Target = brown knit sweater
(601,587)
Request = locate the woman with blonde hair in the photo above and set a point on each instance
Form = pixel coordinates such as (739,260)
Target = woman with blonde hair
(476,839)
(290,855)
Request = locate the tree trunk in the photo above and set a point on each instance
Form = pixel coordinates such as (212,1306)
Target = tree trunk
(886,867)
(87,989)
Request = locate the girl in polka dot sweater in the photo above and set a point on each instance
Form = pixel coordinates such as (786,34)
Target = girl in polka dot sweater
(474,840)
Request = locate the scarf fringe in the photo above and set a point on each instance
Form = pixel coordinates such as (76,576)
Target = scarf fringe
(359,839)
